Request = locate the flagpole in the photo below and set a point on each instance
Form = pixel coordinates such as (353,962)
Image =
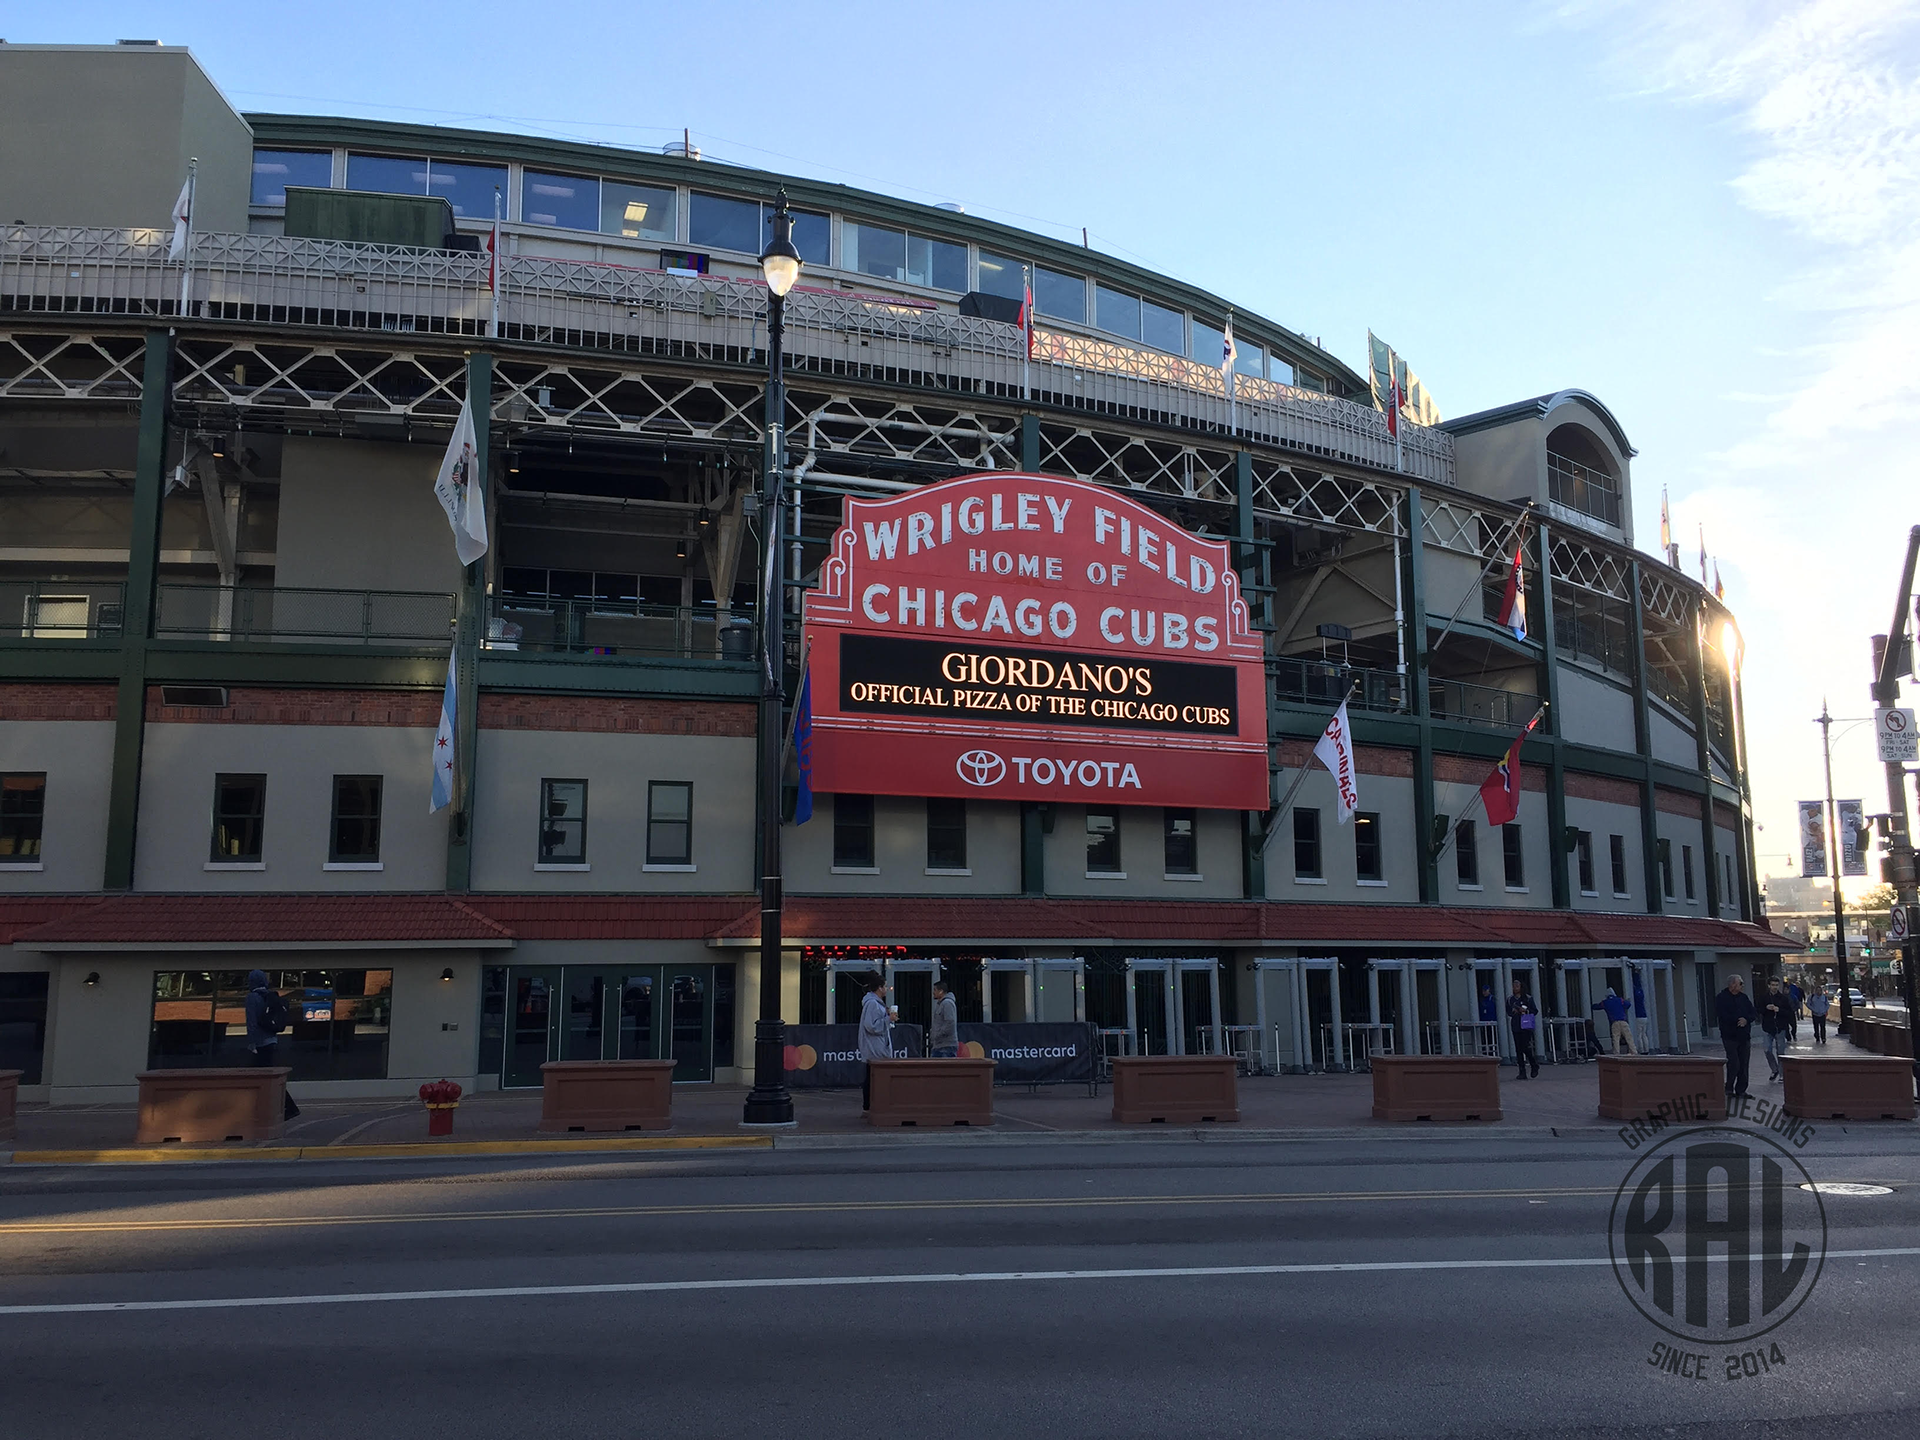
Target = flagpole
(1233,388)
(494,268)
(1453,831)
(1273,815)
(1026,332)
(1513,533)
(186,253)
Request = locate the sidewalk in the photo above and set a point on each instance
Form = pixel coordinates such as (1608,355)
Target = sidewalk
(1564,1097)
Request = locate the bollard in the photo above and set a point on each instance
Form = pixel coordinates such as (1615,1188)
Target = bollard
(442,1097)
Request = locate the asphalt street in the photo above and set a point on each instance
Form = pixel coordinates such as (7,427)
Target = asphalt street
(1146,1287)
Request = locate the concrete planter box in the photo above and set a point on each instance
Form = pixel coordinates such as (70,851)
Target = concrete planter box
(1848,1087)
(930,1092)
(1436,1087)
(1673,1087)
(189,1106)
(1900,1041)
(1175,1089)
(9,1099)
(606,1095)
(1865,1035)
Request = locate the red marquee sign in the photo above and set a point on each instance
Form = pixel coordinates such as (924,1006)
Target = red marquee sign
(1023,637)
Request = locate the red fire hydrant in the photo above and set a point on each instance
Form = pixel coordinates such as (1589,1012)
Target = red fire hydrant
(442,1097)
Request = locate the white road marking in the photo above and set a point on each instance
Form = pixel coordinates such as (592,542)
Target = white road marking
(801,1282)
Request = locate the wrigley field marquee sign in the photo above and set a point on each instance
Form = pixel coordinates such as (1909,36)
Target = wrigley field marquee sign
(1024,637)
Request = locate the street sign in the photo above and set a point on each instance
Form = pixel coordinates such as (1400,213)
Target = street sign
(1897,923)
(1898,738)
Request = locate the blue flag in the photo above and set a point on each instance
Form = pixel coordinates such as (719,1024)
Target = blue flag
(803,750)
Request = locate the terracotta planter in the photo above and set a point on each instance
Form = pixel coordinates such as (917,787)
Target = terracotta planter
(1175,1089)
(606,1095)
(1865,1035)
(930,1092)
(1848,1087)
(1899,1041)
(1436,1087)
(188,1106)
(1671,1087)
(9,1098)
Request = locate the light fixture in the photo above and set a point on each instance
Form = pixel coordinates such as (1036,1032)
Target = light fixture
(637,211)
(447,974)
(780,262)
(93,978)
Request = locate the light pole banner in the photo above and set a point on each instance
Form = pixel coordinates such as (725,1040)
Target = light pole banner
(1813,839)
(1852,819)
(1025,637)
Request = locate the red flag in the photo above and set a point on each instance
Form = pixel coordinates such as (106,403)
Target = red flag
(1513,600)
(1396,397)
(1026,317)
(1500,791)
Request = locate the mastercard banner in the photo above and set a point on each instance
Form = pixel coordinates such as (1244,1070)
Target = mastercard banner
(1024,637)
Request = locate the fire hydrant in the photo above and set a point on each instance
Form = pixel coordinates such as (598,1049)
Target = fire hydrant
(442,1097)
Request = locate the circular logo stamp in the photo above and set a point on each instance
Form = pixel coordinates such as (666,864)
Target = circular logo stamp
(1717,1235)
(980,767)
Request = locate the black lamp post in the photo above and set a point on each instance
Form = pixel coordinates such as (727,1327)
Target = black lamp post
(768,1103)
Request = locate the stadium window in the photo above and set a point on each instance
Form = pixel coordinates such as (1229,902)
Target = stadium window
(1182,849)
(1279,371)
(1366,845)
(1617,855)
(1726,894)
(720,222)
(354,835)
(1666,868)
(1513,857)
(873,250)
(239,818)
(1061,297)
(1249,359)
(1209,343)
(639,212)
(467,188)
(1466,854)
(946,834)
(569,202)
(853,832)
(1306,845)
(937,264)
(563,822)
(1103,842)
(1116,312)
(1686,869)
(812,235)
(1001,276)
(274,170)
(1583,854)
(23,810)
(1162,328)
(670,822)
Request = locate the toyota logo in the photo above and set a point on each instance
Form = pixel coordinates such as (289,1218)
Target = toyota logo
(980,767)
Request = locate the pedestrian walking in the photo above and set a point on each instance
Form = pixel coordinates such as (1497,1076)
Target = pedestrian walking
(1817,1005)
(876,1036)
(1523,1016)
(1735,1014)
(266,1018)
(1619,1023)
(1798,997)
(1775,1025)
(943,1036)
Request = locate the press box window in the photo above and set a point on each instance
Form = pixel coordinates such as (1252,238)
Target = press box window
(1103,842)
(571,202)
(1617,855)
(1062,296)
(853,832)
(355,838)
(1583,854)
(946,834)
(639,212)
(1513,856)
(239,818)
(1183,851)
(23,808)
(563,822)
(889,254)
(669,823)
(1366,846)
(1306,845)
(274,170)
(1466,853)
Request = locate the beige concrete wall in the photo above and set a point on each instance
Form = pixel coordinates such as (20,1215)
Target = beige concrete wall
(1594,711)
(436,1023)
(1683,831)
(1538,891)
(77,756)
(1507,462)
(361,515)
(1143,857)
(101,135)
(1389,796)
(299,761)
(1672,741)
(1603,819)
(617,768)
(900,851)
(97,1036)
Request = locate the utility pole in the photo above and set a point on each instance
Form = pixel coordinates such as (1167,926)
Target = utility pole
(1825,722)
(1888,651)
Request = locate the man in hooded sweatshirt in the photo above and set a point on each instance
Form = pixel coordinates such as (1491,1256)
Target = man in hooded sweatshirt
(876,1036)
(265,1015)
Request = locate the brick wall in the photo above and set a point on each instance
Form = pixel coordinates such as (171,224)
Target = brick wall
(1367,759)
(304,707)
(56,702)
(1676,802)
(1609,788)
(616,715)
(1472,769)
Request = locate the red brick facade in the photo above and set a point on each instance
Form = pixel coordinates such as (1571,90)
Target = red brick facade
(1472,769)
(1676,802)
(304,707)
(1603,787)
(1367,759)
(615,715)
(56,702)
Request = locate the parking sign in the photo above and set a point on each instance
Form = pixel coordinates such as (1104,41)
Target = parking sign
(1898,739)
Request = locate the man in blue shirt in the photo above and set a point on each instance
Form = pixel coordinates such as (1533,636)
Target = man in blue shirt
(1619,1023)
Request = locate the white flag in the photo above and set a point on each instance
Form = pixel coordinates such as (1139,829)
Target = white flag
(1335,751)
(182,216)
(462,490)
(445,752)
(1229,353)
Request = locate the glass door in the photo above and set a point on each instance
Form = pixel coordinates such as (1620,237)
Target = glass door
(584,1030)
(638,1015)
(690,994)
(530,995)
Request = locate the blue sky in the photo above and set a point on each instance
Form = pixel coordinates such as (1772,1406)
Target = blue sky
(1707,214)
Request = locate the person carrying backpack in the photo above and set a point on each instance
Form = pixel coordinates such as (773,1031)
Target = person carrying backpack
(1818,1005)
(266,1018)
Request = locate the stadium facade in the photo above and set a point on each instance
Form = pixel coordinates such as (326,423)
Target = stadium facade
(228,597)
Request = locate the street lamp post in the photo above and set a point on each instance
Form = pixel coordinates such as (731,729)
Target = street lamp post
(769,1102)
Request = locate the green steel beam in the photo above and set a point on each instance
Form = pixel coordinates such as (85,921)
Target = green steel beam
(1697,686)
(1643,743)
(1033,850)
(1556,737)
(1030,443)
(466,642)
(143,565)
(1416,643)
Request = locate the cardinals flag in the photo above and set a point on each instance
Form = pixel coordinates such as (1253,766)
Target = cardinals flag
(1513,603)
(1500,791)
(1335,751)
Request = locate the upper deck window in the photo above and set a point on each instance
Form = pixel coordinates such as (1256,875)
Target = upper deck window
(890,254)
(1064,297)
(1162,328)
(1000,276)
(1116,312)
(720,222)
(569,201)
(468,188)
(274,170)
(1580,475)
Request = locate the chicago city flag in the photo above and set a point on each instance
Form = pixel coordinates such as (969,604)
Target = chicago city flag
(1335,751)
(462,490)
(1513,602)
(1500,791)
(445,752)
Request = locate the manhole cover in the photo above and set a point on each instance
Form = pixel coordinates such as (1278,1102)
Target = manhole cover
(1847,1187)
